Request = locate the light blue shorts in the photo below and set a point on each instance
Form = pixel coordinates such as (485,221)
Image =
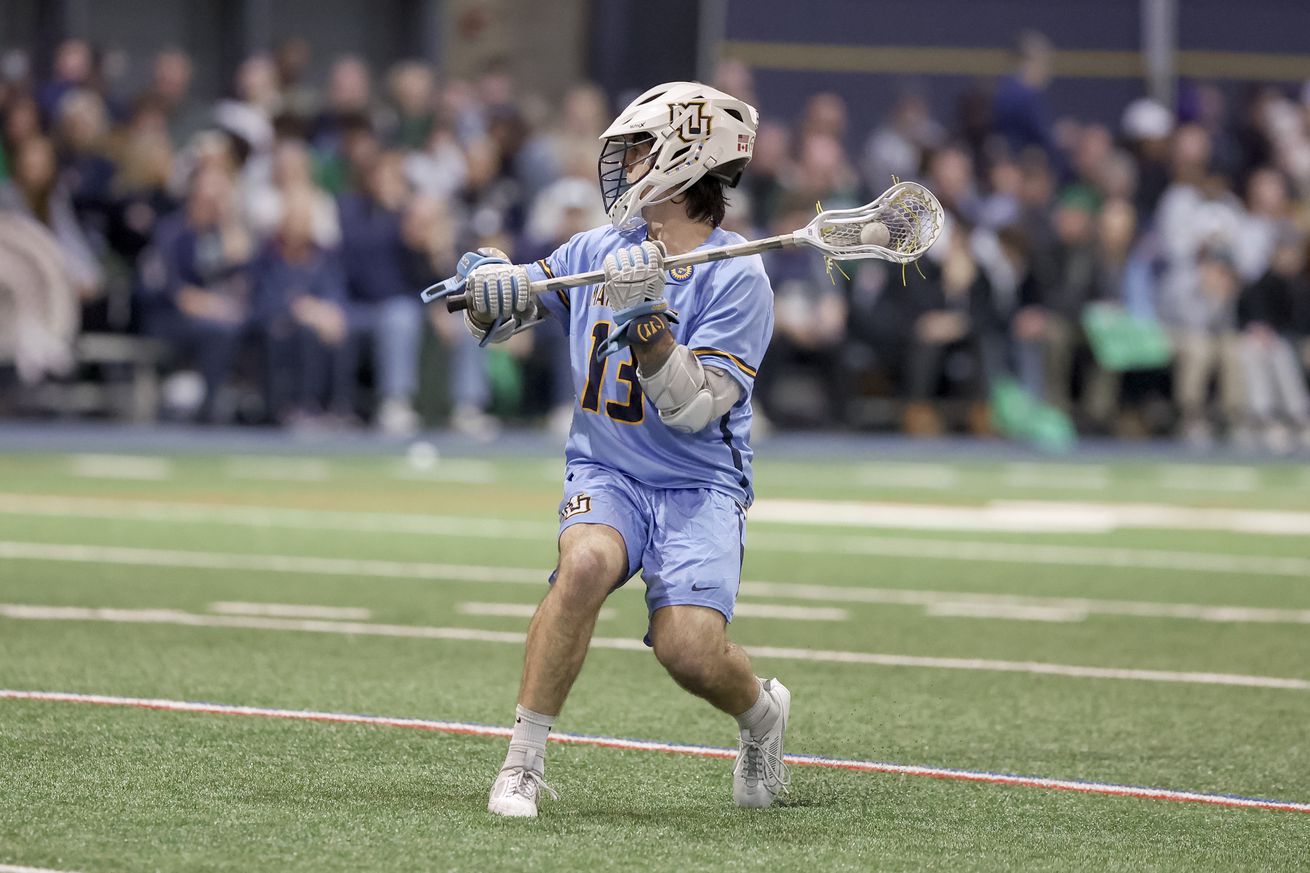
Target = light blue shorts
(688,543)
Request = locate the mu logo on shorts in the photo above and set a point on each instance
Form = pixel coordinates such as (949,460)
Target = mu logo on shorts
(577,505)
(694,124)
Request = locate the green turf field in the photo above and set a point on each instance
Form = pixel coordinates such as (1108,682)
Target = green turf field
(140,578)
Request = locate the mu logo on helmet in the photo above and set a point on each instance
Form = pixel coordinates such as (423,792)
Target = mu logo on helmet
(690,120)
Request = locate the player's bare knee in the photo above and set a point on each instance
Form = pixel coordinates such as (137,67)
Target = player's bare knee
(590,565)
(578,594)
(688,659)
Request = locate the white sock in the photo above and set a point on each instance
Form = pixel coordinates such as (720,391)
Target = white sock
(761,714)
(527,745)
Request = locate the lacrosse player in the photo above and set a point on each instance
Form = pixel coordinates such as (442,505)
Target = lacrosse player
(658,461)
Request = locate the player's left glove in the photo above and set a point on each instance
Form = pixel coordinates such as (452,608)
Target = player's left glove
(634,286)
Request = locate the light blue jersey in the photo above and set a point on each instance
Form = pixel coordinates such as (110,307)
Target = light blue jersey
(725,312)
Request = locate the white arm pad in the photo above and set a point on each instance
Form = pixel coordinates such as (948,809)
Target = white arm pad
(688,395)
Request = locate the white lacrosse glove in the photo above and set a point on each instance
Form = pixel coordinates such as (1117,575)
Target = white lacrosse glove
(497,293)
(634,287)
(634,275)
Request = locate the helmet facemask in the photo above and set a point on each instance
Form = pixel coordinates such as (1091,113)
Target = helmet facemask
(619,157)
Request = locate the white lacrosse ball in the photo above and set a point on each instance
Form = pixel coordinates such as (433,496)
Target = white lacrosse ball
(875,233)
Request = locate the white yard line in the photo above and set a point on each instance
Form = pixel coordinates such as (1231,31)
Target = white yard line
(790,613)
(120,467)
(482,730)
(13,868)
(266,563)
(290,610)
(1056,476)
(169,512)
(1012,613)
(935,477)
(1029,516)
(471,472)
(353,567)
(27,612)
(1028,607)
(1200,477)
(836,545)
(1100,557)
(515,610)
(283,469)
(919,516)
(1169,517)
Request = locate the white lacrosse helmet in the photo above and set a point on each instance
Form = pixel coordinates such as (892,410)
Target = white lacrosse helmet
(694,131)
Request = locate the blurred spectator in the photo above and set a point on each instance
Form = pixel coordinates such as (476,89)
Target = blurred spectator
(1205,346)
(808,336)
(1092,149)
(731,76)
(170,90)
(195,283)
(567,145)
(1147,126)
(942,329)
(22,122)
(298,306)
(1001,206)
(81,133)
(139,193)
(823,174)
(950,177)
(74,64)
(257,85)
(766,183)
(1124,277)
(825,115)
(39,304)
(897,148)
(1019,111)
(1268,213)
(1047,324)
(292,58)
(348,104)
(291,174)
(383,307)
(411,88)
(1277,408)
(36,192)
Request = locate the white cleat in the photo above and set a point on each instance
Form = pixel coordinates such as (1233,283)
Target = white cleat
(760,775)
(516,791)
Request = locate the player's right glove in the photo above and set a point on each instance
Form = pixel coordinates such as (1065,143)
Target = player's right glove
(497,293)
(634,287)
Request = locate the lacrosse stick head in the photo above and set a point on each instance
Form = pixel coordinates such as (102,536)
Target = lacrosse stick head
(910,213)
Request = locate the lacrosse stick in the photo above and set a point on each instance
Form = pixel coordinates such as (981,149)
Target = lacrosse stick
(899,226)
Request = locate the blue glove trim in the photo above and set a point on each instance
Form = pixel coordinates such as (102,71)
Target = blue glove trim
(468,262)
(623,319)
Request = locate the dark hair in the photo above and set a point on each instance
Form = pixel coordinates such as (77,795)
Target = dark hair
(706,201)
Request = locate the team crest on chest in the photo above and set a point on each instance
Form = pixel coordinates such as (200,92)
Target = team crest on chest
(577,505)
(681,274)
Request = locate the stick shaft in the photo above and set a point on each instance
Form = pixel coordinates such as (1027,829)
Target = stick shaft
(673,262)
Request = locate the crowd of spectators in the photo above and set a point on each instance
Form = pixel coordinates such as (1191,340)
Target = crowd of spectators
(274,242)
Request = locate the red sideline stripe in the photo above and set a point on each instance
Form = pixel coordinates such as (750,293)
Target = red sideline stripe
(468,729)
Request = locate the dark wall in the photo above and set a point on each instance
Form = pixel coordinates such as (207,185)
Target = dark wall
(637,43)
